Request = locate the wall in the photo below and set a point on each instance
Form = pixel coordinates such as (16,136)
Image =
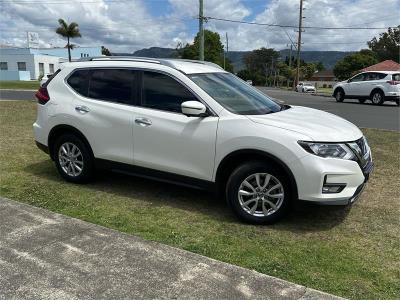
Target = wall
(15,75)
(46,59)
(12,60)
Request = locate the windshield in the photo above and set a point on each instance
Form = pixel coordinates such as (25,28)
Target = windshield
(234,94)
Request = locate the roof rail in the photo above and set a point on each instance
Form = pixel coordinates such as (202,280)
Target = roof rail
(163,61)
(121,58)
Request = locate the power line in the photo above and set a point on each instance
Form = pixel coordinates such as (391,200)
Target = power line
(294,26)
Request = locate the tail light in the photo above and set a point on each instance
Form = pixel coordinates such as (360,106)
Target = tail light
(393,82)
(42,95)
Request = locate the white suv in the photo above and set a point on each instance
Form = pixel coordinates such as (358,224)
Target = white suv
(193,123)
(376,86)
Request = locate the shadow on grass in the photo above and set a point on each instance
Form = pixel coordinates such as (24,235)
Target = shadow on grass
(303,217)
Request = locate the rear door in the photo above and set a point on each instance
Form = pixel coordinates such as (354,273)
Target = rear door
(103,110)
(167,140)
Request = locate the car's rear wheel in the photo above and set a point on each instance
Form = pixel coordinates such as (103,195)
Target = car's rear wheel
(73,159)
(258,193)
(362,101)
(339,95)
(377,97)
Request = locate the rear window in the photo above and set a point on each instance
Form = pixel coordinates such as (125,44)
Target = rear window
(396,77)
(79,81)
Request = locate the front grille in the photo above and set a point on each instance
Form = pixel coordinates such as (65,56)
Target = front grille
(361,150)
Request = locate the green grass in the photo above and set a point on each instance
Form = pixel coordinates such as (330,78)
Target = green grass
(348,252)
(19,85)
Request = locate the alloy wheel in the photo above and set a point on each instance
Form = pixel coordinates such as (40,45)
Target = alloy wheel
(261,194)
(70,159)
(376,98)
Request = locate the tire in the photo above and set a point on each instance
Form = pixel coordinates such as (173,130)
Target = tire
(397,102)
(362,101)
(258,211)
(377,97)
(339,95)
(70,155)
(302,90)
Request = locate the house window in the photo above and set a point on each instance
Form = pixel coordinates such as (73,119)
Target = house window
(21,66)
(3,65)
(41,68)
(51,68)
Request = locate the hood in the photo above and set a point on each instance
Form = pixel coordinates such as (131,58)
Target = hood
(318,125)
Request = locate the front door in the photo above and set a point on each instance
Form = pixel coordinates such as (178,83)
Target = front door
(354,86)
(167,140)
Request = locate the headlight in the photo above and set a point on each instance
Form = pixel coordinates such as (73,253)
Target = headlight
(328,150)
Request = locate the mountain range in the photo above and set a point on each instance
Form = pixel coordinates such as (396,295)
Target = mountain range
(328,58)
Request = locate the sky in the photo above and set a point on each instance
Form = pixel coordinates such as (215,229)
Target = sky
(129,25)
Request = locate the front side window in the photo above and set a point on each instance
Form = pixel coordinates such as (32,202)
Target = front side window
(359,77)
(21,66)
(234,94)
(3,65)
(114,85)
(163,92)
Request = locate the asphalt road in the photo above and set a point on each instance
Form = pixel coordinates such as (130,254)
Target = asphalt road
(367,115)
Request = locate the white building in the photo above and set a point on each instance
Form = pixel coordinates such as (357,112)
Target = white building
(30,63)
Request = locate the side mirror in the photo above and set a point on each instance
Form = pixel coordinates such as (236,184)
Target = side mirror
(193,109)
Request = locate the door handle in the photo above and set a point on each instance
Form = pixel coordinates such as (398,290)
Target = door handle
(82,109)
(143,122)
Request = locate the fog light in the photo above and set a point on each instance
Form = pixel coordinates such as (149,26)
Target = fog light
(332,188)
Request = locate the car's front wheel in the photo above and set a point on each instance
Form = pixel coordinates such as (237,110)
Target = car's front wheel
(339,95)
(258,193)
(73,159)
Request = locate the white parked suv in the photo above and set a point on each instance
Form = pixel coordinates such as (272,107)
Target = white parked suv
(193,123)
(378,86)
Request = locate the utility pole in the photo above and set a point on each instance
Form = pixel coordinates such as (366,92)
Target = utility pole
(201,31)
(290,62)
(299,43)
(227,48)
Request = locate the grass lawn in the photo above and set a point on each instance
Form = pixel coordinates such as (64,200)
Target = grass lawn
(19,85)
(348,252)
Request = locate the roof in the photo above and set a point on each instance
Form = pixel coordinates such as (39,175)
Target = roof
(183,65)
(386,65)
(324,73)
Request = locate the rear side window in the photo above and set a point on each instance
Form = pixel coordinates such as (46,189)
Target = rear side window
(396,77)
(79,81)
(114,85)
(163,92)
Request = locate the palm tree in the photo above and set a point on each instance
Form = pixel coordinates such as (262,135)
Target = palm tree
(69,31)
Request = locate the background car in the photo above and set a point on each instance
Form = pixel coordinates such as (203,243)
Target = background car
(249,82)
(378,86)
(305,87)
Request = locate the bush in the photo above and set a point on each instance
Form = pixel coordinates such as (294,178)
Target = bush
(324,85)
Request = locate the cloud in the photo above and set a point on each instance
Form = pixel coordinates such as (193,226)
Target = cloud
(134,24)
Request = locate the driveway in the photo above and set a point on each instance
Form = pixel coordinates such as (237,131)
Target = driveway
(366,115)
(44,255)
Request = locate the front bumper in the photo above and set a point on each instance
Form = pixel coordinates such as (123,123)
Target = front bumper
(312,172)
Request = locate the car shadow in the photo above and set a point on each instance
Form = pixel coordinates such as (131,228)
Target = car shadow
(367,103)
(303,216)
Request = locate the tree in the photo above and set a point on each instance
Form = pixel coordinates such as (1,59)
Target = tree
(68,31)
(387,46)
(213,49)
(350,64)
(320,66)
(261,60)
(105,51)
